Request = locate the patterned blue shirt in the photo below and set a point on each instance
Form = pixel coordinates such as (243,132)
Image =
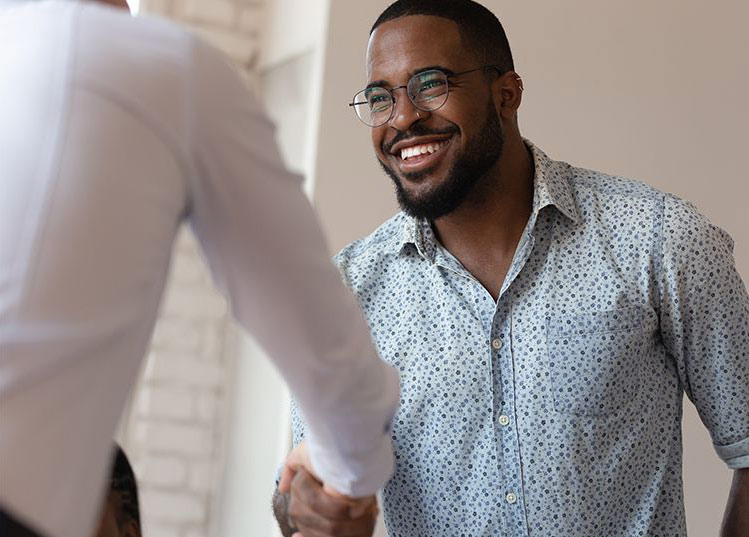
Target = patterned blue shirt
(556,410)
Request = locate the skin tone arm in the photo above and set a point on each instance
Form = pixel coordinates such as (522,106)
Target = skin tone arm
(736,520)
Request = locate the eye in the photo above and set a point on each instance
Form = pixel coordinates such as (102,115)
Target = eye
(429,85)
(379,100)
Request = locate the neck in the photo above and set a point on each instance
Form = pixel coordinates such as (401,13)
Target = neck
(492,219)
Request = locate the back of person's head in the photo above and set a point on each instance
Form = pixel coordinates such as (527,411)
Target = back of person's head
(121,513)
(124,484)
(480,29)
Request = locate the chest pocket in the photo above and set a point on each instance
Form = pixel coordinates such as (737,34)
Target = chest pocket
(596,359)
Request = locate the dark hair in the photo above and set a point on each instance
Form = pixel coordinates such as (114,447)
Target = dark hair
(123,482)
(479,27)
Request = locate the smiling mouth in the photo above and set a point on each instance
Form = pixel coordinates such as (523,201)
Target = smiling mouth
(418,157)
(409,153)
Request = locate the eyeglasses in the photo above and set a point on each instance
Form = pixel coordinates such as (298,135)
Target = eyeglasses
(428,91)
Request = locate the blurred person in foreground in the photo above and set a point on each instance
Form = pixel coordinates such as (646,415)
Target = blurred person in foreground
(114,131)
(546,319)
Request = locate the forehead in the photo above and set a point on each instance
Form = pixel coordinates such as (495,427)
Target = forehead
(401,46)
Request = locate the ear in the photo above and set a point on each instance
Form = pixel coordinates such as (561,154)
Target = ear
(508,94)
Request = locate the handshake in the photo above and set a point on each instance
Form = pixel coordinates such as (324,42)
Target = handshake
(306,507)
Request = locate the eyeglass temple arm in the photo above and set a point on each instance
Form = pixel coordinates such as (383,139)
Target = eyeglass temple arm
(391,91)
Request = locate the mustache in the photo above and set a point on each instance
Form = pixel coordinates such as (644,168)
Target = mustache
(416,130)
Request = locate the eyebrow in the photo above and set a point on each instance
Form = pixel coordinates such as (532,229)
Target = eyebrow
(384,83)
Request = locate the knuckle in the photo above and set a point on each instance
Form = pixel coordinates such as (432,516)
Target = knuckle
(295,508)
(317,503)
(299,486)
(330,527)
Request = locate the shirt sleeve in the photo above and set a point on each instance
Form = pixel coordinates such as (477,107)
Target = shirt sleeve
(705,325)
(266,251)
(298,433)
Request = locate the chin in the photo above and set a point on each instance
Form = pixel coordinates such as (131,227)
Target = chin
(430,175)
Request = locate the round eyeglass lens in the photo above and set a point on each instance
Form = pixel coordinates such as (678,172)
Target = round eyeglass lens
(428,90)
(373,106)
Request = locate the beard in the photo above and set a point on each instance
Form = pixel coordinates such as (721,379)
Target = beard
(469,167)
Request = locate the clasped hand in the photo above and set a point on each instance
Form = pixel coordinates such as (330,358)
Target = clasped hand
(316,510)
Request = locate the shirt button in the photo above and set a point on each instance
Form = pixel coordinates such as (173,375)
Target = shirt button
(504,420)
(511,498)
(497,343)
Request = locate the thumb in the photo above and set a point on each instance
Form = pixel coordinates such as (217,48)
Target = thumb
(290,468)
(358,506)
(330,491)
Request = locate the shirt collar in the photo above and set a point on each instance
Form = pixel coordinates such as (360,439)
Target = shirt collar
(551,185)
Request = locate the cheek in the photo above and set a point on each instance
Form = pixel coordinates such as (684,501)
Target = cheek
(377,136)
(466,114)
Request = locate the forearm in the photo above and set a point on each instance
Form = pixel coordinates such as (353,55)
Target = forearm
(736,520)
(281,512)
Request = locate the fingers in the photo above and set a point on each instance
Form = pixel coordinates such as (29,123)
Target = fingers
(359,528)
(309,491)
(316,514)
(287,474)
(296,459)
(357,506)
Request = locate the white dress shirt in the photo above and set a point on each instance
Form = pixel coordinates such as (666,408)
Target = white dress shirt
(113,131)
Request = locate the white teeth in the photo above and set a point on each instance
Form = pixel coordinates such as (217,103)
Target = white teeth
(416,150)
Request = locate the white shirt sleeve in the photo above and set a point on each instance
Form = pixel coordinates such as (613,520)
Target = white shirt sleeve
(113,131)
(266,250)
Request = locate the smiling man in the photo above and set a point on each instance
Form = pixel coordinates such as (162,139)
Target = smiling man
(546,320)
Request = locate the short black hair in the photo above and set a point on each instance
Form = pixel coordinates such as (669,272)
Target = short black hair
(479,27)
(123,482)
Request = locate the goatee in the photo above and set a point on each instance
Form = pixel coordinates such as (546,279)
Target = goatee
(462,177)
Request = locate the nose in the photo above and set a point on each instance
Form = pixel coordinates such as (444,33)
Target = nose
(405,112)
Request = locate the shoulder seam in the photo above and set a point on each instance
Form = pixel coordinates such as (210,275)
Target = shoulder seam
(648,191)
(361,246)
(659,216)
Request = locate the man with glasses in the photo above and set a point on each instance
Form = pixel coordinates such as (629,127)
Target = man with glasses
(546,320)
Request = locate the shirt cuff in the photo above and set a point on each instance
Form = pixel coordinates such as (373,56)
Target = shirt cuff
(361,477)
(735,455)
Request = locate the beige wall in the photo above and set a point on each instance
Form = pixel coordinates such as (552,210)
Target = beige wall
(656,90)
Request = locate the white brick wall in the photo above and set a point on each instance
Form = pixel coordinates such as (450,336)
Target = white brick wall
(176,428)
(175,432)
